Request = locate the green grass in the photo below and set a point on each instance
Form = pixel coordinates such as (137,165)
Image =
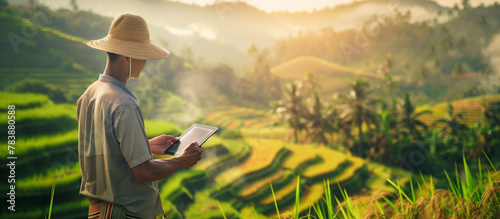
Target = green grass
(22,100)
(48,111)
(60,176)
(27,145)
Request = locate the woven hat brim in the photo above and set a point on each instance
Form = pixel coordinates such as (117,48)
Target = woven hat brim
(136,50)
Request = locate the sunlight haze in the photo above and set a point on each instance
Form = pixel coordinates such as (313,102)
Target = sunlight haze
(300,5)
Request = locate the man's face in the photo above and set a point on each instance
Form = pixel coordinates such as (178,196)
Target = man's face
(137,66)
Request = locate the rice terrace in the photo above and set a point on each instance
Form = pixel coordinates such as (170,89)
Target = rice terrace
(313,123)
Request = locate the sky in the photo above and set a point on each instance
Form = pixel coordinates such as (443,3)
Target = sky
(300,5)
(281,5)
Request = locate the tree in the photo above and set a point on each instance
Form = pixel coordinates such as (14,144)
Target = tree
(410,121)
(3,3)
(465,4)
(361,110)
(260,85)
(458,69)
(492,113)
(74,5)
(453,124)
(291,108)
(317,125)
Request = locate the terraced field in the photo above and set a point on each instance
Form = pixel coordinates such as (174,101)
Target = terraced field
(233,117)
(234,175)
(472,107)
(49,156)
(48,53)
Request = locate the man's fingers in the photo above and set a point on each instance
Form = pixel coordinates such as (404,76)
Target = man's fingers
(170,138)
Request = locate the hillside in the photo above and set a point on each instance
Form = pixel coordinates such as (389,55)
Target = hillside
(240,24)
(49,55)
(331,77)
(350,15)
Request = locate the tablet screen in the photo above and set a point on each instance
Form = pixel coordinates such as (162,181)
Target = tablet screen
(197,132)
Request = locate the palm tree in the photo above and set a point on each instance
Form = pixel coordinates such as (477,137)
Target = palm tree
(318,125)
(410,119)
(361,110)
(453,123)
(291,108)
(491,113)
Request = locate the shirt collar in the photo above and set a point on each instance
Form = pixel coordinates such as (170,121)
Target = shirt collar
(107,78)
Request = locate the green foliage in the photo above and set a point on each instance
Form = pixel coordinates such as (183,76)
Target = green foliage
(56,94)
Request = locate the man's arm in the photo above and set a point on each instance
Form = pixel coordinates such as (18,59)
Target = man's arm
(157,169)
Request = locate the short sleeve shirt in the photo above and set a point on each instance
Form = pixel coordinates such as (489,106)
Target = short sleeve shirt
(111,141)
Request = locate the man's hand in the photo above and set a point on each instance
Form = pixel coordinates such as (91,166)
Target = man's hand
(161,143)
(191,154)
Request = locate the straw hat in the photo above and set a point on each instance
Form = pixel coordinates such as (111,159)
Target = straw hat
(129,36)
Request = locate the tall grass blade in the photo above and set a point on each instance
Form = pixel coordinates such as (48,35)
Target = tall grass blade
(275,203)
(453,187)
(493,166)
(393,206)
(341,208)
(297,199)
(328,196)
(412,191)
(222,211)
(401,192)
(52,199)
(319,211)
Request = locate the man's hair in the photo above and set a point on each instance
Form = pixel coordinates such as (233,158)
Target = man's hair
(113,57)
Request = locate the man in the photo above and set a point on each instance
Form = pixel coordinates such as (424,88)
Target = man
(119,175)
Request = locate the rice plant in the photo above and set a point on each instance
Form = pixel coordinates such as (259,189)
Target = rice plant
(471,196)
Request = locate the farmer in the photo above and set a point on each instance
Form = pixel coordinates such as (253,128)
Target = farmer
(119,175)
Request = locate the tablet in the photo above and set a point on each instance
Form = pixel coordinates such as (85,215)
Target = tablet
(197,132)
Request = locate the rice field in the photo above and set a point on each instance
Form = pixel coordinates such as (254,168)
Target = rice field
(235,117)
(472,107)
(48,53)
(263,153)
(236,181)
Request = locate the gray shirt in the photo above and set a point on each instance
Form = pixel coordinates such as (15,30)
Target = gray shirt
(111,141)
